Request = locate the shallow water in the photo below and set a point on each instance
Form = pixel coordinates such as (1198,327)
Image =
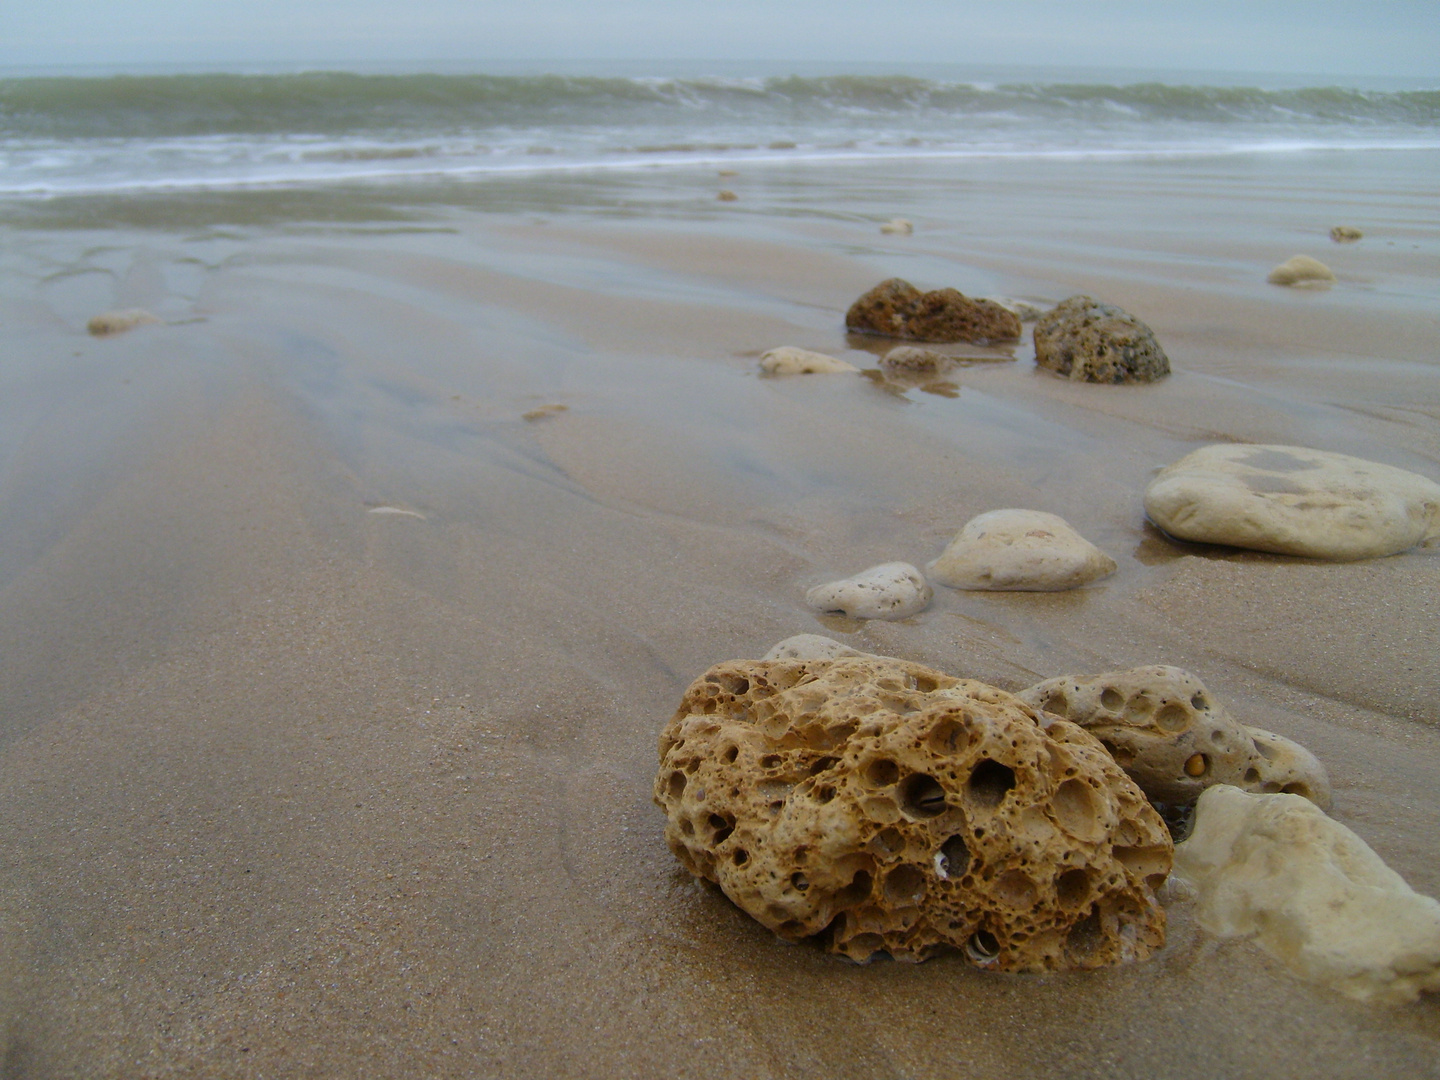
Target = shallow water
(294,788)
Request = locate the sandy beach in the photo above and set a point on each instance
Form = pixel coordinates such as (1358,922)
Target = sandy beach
(332,681)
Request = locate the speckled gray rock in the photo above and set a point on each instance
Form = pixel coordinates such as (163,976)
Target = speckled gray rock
(1088,341)
(811,647)
(893,590)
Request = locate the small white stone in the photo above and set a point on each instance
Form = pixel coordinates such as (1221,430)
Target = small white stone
(1313,893)
(897,227)
(788,360)
(810,647)
(1293,501)
(893,590)
(1301,270)
(1020,550)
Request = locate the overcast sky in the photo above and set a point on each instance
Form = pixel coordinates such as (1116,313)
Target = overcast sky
(1360,37)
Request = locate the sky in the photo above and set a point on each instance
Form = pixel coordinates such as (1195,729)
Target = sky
(1344,37)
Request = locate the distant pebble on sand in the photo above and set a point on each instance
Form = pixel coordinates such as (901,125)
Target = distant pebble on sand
(1291,500)
(1020,551)
(1345,234)
(117,322)
(544,412)
(1312,893)
(1089,341)
(893,590)
(727,196)
(897,227)
(1301,270)
(788,360)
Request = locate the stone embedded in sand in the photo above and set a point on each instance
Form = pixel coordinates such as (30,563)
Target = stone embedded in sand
(911,362)
(117,322)
(1293,501)
(811,647)
(897,227)
(1313,893)
(1174,739)
(1019,550)
(727,195)
(895,308)
(1345,234)
(891,807)
(893,590)
(788,360)
(544,412)
(1088,341)
(1301,270)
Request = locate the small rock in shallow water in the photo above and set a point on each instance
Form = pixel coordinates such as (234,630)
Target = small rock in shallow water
(1020,550)
(1301,270)
(1291,500)
(1088,341)
(911,362)
(544,412)
(788,360)
(897,227)
(727,196)
(1174,739)
(116,322)
(1314,894)
(893,590)
(1344,234)
(895,308)
(889,807)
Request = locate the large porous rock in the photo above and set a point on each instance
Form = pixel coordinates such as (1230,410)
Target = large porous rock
(1293,501)
(887,806)
(1019,550)
(896,308)
(1174,739)
(1313,894)
(893,590)
(1088,341)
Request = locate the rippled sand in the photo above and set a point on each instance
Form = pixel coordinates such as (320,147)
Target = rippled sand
(332,682)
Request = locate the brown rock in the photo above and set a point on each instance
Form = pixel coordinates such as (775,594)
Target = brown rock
(1175,740)
(893,807)
(895,308)
(1088,341)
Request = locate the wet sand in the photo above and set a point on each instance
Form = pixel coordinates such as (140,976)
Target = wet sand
(295,786)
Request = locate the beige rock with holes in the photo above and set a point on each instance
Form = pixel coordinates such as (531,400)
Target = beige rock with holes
(893,590)
(1174,739)
(788,360)
(1293,501)
(1314,895)
(1301,270)
(1020,550)
(892,807)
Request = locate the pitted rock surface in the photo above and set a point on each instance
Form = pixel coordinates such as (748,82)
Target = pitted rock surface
(895,308)
(892,590)
(1088,341)
(1020,550)
(1175,740)
(884,805)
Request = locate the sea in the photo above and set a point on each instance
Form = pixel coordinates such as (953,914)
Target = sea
(71,137)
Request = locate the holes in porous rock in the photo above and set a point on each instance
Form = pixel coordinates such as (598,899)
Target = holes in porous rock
(770,761)
(982,947)
(925,684)
(1265,749)
(1085,938)
(1173,717)
(904,885)
(1138,708)
(1144,862)
(823,764)
(989,783)
(676,784)
(1123,755)
(1298,788)
(1251,775)
(686,827)
(1072,887)
(1197,765)
(735,684)
(723,827)
(857,892)
(1199,701)
(1015,889)
(888,842)
(799,882)
(882,772)
(1075,809)
(741,857)
(1112,698)
(1057,702)
(922,796)
(824,793)
(953,858)
(730,753)
(949,737)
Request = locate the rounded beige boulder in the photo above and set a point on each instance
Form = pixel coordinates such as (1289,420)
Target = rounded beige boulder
(1301,270)
(1293,501)
(1020,550)
(893,590)
(788,360)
